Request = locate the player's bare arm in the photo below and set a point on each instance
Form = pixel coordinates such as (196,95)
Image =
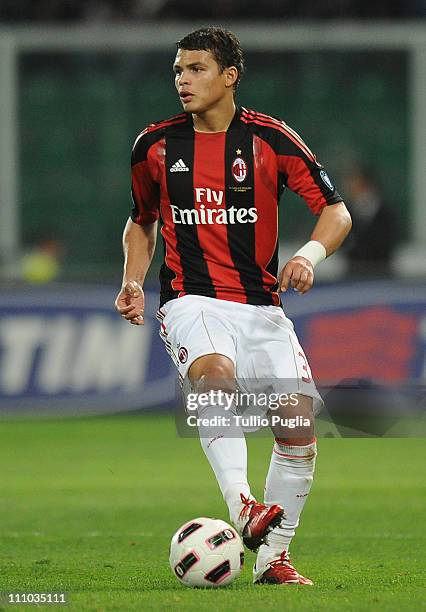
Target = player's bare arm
(332,227)
(138,246)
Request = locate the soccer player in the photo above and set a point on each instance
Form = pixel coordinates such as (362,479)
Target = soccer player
(213,176)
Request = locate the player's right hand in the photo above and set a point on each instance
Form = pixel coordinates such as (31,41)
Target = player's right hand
(130,302)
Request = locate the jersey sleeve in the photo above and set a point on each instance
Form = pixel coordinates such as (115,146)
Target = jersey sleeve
(302,173)
(145,190)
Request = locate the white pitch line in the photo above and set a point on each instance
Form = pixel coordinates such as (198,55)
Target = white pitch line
(90,534)
(373,536)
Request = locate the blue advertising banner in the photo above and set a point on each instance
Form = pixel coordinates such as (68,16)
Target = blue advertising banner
(374,330)
(64,350)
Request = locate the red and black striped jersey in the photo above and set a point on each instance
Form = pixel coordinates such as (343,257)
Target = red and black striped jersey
(216,196)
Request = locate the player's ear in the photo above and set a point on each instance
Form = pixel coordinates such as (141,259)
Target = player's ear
(231,76)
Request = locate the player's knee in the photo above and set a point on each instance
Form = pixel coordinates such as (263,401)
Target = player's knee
(212,375)
(215,379)
(301,406)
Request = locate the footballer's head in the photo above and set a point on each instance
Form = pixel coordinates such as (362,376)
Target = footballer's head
(208,67)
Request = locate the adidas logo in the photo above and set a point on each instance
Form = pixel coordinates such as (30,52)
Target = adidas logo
(179,166)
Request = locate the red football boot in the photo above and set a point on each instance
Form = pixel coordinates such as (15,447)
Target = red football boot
(261,520)
(279,571)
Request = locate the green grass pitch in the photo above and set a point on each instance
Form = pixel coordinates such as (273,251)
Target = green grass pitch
(88,506)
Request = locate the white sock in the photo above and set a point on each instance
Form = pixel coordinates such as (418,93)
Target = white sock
(288,483)
(225,448)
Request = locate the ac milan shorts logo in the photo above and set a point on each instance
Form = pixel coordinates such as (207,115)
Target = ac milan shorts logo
(239,169)
(183,354)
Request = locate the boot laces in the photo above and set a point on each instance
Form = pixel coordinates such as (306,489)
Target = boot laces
(283,560)
(247,506)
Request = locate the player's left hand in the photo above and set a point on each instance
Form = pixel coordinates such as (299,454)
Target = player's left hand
(297,273)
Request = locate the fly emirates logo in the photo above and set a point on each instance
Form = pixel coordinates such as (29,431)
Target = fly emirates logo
(211,210)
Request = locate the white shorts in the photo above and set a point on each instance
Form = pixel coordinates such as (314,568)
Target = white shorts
(259,340)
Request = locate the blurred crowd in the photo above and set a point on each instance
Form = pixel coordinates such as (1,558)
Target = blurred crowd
(13,11)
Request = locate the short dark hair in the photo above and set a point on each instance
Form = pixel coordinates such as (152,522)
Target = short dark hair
(222,44)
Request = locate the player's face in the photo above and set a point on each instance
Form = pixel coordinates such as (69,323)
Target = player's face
(199,80)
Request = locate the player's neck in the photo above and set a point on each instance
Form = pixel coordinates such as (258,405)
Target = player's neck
(217,119)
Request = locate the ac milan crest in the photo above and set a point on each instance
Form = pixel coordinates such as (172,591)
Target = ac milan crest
(183,354)
(239,169)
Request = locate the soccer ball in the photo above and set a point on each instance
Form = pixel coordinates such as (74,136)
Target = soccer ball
(206,552)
